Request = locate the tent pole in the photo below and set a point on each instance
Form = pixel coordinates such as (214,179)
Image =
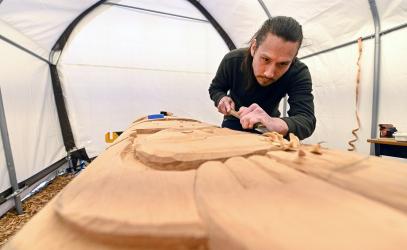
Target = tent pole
(263,5)
(155,11)
(384,32)
(22,48)
(214,23)
(376,73)
(64,123)
(9,158)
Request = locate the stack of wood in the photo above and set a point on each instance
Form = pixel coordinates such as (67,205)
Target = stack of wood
(177,183)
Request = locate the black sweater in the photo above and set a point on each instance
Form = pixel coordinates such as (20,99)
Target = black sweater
(296,82)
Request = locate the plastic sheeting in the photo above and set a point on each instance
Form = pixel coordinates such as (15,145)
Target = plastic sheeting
(32,121)
(138,64)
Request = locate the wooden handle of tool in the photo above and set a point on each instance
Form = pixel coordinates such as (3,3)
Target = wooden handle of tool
(234,113)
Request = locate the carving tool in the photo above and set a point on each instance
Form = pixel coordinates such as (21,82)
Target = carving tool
(258,126)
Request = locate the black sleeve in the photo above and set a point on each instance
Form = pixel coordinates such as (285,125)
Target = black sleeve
(221,83)
(301,120)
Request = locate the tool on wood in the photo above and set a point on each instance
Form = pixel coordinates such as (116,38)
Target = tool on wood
(110,137)
(155,116)
(258,126)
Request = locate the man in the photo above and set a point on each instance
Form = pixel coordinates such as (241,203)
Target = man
(258,77)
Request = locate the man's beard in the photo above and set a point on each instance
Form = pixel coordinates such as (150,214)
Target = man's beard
(264,81)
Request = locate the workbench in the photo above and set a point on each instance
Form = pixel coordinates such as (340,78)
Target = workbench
(389,147)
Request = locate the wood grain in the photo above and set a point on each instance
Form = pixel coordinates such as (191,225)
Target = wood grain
(256,203)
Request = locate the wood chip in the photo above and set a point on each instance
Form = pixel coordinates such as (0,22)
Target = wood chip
(316,149)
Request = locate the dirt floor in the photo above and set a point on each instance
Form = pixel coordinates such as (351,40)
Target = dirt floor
(10,222)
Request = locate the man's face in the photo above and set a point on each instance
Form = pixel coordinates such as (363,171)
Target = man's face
(272,58)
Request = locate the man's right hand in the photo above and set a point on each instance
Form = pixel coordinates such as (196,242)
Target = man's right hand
(225,105)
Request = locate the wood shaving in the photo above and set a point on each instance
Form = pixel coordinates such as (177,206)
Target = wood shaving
(316,149)
(294,141)
(10,222)
(278,140)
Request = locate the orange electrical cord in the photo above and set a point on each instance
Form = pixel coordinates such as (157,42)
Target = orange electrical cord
(351,142)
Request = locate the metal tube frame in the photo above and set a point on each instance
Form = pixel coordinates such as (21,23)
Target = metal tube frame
(155,11)
(376,73)
(9,159)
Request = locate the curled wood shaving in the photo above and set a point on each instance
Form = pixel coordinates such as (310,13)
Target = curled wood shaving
(294,141)
(357,89)
(274,136)
(277,139)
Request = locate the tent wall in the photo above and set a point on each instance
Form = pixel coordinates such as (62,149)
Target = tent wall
(393,78)
(239,18)
(138,64)
(127,63)
(30,112)
(392,13)
(393,89)
(13,36)
(334,84)
(327,23)
(32,27)
(43,21)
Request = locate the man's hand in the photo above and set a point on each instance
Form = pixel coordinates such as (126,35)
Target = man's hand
(254,114)
(225,105)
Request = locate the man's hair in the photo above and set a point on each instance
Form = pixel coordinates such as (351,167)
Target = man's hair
(284,27)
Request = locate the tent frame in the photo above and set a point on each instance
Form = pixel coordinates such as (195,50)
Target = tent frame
(9,159)
(65,125)
(376,73)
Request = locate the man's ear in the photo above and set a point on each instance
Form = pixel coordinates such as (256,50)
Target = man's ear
(253,47)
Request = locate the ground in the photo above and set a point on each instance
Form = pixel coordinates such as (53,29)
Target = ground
(10,223)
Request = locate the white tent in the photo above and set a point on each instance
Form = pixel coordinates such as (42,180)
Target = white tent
(73,70)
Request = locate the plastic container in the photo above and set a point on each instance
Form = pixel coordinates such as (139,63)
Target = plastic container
(400,136)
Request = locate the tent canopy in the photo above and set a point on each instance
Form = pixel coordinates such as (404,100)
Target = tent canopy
(74,70)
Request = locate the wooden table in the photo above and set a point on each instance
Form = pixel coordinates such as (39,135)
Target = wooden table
(389,147)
